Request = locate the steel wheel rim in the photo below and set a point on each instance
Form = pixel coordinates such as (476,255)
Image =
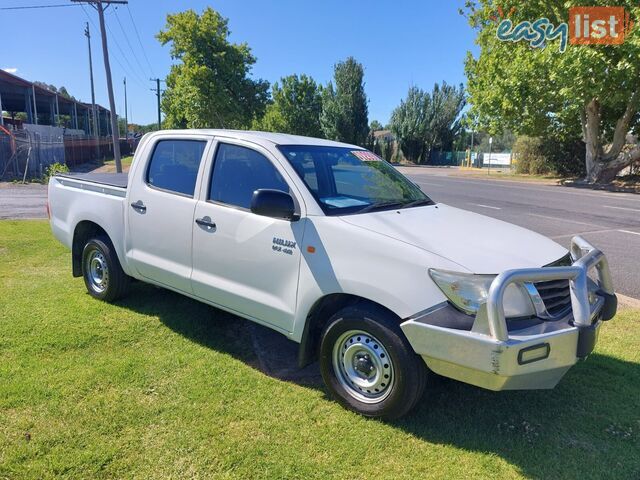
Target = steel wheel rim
(97,271)
(363,366)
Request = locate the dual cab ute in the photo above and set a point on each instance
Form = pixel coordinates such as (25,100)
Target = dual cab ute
(332,247)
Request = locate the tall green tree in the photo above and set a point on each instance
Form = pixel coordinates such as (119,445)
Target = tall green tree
(409,125)
(375,125)
(344,107)
(588,91)
(424,121)
(210,86)
(296,107)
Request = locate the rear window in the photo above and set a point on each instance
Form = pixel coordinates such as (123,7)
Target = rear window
(174,165)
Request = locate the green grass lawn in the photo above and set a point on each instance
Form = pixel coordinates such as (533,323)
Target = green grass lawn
(110,165)
(161,386)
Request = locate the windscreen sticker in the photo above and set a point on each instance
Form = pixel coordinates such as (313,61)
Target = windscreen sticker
(365,155)
(342,202)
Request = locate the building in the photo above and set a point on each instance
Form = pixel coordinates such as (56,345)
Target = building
(39,127)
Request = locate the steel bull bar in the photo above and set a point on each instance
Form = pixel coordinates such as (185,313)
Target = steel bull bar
(496,355)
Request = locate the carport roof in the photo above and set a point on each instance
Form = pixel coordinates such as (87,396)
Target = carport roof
(12,94)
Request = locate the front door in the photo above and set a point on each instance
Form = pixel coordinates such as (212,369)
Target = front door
(161,206)
(245,262)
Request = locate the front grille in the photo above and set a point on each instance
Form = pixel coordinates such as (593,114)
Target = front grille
(556,294)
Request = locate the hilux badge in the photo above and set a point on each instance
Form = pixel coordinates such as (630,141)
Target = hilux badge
(284,246)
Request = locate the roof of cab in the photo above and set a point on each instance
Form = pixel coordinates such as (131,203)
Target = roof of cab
(261,137)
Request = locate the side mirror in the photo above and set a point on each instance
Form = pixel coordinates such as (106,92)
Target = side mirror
(273,203)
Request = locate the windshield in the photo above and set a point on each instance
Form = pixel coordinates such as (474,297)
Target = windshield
(346,180)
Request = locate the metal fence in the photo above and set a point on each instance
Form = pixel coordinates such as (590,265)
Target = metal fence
(27,154)
(447,158)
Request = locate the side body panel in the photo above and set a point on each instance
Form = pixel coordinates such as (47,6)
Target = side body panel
(70,203)
(356,261)
(248,263)
(160,236)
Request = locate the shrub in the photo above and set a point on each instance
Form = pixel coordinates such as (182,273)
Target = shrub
(529,155)
(54,169)
(560,156)
(565,157)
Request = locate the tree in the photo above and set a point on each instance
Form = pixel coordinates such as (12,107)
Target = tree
(296,107)
(62,91)
(444,116)
(375,125)
(210,86)
(588,91)
(502,142)
(344,107)
(136,128)
(409,125)
(424,121)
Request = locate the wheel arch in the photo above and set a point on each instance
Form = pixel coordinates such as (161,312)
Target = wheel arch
(83,231)
(319,315)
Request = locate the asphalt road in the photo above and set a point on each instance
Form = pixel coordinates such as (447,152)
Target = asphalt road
(23,201)
(610,221)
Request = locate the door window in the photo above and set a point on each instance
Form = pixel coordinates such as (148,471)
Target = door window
(240,171)
(174,165)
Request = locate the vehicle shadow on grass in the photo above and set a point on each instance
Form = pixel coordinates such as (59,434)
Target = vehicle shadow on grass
(587,427)
(257,346)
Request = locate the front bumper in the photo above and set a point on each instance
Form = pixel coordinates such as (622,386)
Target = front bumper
(498,354)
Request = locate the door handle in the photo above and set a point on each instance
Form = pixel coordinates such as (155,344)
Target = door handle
(139,206)
(206,223)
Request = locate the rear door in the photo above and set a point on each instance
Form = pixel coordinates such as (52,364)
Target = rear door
(161,205)
(245,262)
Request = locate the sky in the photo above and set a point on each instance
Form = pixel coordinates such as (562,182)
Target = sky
(400,43)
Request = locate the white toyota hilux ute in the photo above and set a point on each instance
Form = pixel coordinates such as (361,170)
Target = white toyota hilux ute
(332,247)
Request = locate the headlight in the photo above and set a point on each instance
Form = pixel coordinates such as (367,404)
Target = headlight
(468,292)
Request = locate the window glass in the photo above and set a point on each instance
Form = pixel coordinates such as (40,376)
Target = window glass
(240,171)
(346,180)
(174,165)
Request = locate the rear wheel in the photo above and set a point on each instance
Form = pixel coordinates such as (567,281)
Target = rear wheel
(368,364)
(101,270)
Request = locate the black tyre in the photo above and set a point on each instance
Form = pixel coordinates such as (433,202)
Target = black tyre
(368,364)
(101,270)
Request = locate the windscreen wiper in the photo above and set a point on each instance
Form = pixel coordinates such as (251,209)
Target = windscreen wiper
(419,203)
(380,206)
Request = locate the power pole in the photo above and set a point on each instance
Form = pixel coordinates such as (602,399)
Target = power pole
(98,5)
(126,116)
(94,120)
(157,80)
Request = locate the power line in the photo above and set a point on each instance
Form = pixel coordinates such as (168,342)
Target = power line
(135,28)
(133,72)
(126,37)
(135,76)
(28,7)
(130,71)
(98,5)
(124,55)
(114,56)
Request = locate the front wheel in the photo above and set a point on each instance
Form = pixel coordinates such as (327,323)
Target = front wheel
(101,270)
(368,364)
